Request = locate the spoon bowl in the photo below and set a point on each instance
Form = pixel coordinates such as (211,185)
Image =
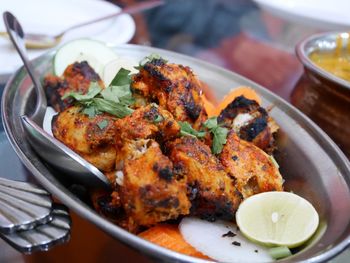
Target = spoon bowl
(61,157)
(47,147)
(41,41)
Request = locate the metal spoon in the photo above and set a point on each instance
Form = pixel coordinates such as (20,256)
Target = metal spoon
(36,41)
(51,150)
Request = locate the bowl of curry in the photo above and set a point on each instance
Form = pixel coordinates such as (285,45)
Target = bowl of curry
(323,91)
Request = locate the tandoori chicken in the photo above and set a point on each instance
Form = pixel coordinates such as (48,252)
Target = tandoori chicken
(157,156)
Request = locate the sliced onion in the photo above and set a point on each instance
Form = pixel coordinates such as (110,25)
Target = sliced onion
(207,238)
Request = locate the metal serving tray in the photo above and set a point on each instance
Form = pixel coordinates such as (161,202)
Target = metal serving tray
(310,162)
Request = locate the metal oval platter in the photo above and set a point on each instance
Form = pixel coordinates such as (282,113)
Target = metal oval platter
(312,165)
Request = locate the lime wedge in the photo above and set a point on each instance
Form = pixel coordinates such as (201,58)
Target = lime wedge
(277,219)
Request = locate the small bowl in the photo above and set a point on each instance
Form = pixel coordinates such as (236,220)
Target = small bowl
(324,97)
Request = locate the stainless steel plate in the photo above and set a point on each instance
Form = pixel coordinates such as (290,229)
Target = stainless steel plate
(312,165)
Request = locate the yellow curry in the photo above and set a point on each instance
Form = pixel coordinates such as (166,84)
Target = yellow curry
(336,62)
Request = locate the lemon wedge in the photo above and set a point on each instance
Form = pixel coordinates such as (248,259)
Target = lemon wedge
(277,219)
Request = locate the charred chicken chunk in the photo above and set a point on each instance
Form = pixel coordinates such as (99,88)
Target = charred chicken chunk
(134,131)
(212,192)
(92,138)
(147,122)
(252,168)
(174,87)
(250,121)
(150,191)
(110,206)
(77,77)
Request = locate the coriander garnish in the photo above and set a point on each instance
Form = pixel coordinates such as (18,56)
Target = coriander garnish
(121,78)
(93,90)
(114,99)
(90,111)
(186,129)
(102,124)
(158,118)
(219,134)
(150,58)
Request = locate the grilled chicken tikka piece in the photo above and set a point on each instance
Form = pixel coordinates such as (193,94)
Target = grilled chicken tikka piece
(149,190)
(253,170)
(250,121)
(174,87)
(149,122)
(86,136)
(77,77)
(212,192)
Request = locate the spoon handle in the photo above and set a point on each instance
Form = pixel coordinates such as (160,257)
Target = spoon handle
(143,6)
(16,34)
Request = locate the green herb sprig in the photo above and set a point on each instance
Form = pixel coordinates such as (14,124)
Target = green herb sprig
(219,134)
(114,99)
(150,58)
(187,130)
(102,124)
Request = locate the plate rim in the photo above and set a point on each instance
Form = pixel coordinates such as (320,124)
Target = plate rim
(133,240)
(311,20)
(131,29)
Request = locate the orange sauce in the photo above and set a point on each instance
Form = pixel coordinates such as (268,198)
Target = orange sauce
(337,61)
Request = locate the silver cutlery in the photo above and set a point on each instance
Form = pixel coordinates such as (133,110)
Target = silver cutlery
(46,146)
(36,41)
(22,206)
(44,236)
(29,221)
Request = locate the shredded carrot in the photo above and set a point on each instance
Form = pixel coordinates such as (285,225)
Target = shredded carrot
(169,236)
(247,92)
(209,94)
(208,106)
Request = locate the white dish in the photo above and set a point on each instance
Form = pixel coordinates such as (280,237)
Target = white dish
(321,14)
(53,16)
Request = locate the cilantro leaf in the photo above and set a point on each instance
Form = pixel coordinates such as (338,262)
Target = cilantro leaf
(114,99)
(211,123)
(93,90)
(113,93)
(219,134)
(219,139)
(111,107)
(150,58)
(127,100)
(91,111)
(158,118)
(186,129)
(102,124)
(121,78)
